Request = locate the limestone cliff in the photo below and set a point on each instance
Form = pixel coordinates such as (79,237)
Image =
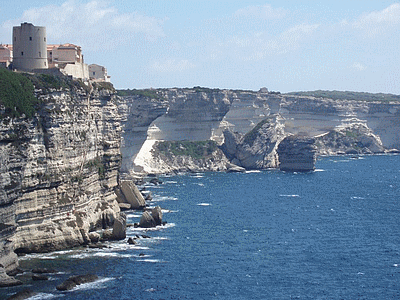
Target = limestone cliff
(58,169)
(257,148)
(227,116)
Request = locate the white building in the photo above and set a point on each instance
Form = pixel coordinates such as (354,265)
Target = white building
(68,58)
(29,47)
(98,73)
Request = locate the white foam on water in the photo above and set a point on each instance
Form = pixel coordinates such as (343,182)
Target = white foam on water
(112,254)
(98,284)
(160,227)
(204,204)
(253,171)
(171,181)
(200,184)
(150,290)
(290,196)
(151,260)
(41,296)
(163,198)
(133,216)
(357,198)
(319,170)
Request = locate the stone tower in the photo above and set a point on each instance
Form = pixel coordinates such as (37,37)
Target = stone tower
(30,47)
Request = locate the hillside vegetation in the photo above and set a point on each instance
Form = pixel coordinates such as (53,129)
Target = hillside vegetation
(347,95)
(16,95)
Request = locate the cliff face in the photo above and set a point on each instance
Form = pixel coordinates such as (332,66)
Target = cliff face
(227,116)
(257,148)
(58,169)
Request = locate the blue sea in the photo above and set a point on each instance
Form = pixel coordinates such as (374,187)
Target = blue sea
(330,234)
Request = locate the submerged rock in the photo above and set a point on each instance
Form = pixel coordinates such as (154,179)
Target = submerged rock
(24,294)
(73,281)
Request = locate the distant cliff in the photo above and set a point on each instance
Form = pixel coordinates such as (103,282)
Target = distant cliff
(58,168)
(230,117)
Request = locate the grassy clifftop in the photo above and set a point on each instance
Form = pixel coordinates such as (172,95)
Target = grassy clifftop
(347,95)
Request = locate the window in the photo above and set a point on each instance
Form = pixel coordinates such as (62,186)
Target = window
(15,38)
(44,63)
(30,38)
(40,54)
(94,73)
(44,38)
(22,53)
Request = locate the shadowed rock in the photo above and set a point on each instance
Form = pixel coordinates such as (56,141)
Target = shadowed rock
(156,213)
(25,294)
(73,281)
(147,221)
(297,154)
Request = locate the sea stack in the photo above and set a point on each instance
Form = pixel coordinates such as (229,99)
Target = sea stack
(297,154)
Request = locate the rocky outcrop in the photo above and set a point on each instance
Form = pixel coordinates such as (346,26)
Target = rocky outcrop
(257,148)
(151,219)
(119,228)
(73,281)
(297,154)
(185,156)
(352,138)
(127,192)
(59,169)
(147,220)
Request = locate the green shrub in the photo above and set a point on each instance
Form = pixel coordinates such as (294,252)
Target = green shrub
(17,94)
(194,149)
(347,95)
(251,136)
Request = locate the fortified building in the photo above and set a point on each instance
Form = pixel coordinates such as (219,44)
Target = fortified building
(30,52)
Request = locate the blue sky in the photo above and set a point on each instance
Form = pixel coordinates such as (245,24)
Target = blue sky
(282,45)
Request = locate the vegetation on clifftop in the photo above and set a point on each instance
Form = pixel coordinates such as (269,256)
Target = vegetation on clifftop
(347,95)
(194,149)
(16,95)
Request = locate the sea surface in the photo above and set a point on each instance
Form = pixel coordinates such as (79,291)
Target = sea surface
(330,234)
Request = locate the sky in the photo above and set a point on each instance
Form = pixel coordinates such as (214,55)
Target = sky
(282,45)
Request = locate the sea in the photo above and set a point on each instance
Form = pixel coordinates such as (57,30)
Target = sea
(329,234)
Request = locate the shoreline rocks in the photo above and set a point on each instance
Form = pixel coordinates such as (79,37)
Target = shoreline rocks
(73,281)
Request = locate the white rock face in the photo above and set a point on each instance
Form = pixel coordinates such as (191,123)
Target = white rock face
(200,114)
(58,169)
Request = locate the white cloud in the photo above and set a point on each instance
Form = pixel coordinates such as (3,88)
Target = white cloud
(378,22)
(259,45)
(172,65)
(93,25)
(358,66)
(261,11)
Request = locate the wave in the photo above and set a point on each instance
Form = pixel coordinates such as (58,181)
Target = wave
(160,227)
(151,260)
(291,196)
(157,198)
(204,204)
(41,296)
(319,170)
(98,284)
(253,171)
